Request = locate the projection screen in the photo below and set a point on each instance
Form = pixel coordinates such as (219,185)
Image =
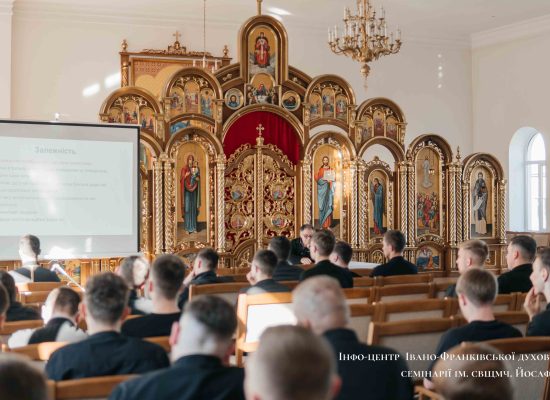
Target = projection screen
(75,186)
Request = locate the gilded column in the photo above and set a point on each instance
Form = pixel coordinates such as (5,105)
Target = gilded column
(220,182)
(169,204)
(354,202)
(158,208)
(362,223)
(411,201)
(403,197)
(259,203)
(502,210)
(452,204)
(466,211)
(306,173)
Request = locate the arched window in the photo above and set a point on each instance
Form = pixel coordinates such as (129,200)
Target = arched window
(535,178)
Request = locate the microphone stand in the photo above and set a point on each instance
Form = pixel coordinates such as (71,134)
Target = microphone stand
(56,266)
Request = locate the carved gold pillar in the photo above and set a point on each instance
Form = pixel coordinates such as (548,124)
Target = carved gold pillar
(160,127)
(259,203)
(452,211)
(306,174)
(354,209)
(502,210)
(411,201)
(158,209)
(220,184)
(144,242)
(169,203)
(124,76)
(362,191)
(466,211)
(402,170)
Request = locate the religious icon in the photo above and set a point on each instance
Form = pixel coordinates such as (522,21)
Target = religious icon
(428,192)
(378,118)
(427,258)
(291,101)
(206,102)
(391,128)
(237,192)
(341,107)
(176,100)
(130,111)
(115,116)
(238,221)
(178,126)
(262,90)
(190,193)
(328,103)
(146,119)
(191,93)
(278,192)
(315,106)
(325,178)
(480,196)
(377,193)
(234,98)
(262,51)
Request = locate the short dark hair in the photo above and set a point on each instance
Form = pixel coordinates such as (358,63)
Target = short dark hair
(106,297)
(266,260)
(9,284)
(127,271)
(215,313)
(67,299)
(280,245)
(527,246)
(478,249)
(32,243)
(209,257)
(167,273)
(344,251)
(395,239)
(4,300)
(324,240)
(20,380)
(544,255)
(306,226)
(478,285)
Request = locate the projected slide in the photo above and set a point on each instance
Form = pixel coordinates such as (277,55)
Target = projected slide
(73,186)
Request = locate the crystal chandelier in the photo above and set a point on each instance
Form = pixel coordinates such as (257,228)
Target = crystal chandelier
(365,37)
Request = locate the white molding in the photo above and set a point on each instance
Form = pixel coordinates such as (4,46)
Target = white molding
(507,33)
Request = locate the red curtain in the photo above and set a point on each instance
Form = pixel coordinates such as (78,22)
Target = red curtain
(277,132)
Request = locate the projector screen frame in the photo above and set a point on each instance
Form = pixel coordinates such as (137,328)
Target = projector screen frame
(136,142)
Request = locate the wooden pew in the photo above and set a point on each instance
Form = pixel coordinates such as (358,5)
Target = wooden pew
(403,279)
(40,351)
(86,388)
(413,309)
(405,292)
(229,291)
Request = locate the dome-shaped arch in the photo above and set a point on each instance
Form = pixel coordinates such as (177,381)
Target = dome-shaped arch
(130,91)
(216,147)
(186,71)
(325,138)
(331,78)
(361,110)
(486,157)
(397,151)
(151,142)
(441,143)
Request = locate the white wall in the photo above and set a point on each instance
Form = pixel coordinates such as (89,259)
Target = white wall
(511,89)
(5,60)
(56,56)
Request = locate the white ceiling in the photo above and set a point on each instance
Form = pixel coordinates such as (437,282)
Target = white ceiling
(434,19)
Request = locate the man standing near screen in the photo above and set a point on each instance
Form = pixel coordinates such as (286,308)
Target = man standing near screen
(29,250)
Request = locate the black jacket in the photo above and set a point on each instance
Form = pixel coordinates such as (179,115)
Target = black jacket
(286,272)
(325,267)
(105,353)
(298,251)
(205,278)
(40,274)
(516,280)
(396,266)
(191,377)
(266,286)
(18,312)
(376,379)
(540,324)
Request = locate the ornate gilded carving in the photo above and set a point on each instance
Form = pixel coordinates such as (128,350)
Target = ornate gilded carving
(158,204)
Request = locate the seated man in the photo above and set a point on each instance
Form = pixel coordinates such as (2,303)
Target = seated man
(19,380)
(284,271)
(393,245)
(4,304)
(320,304)
(482,379)
(341,256)
(476,289)
(164,284)
(203,273)
(16,311)
(106,351)
(471,254)
(539,317)
(291,363)
(201,343)
(322,244)
(135,271)
(261,274)
(29,250)
(299,247)
(519,257)
(60,313)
